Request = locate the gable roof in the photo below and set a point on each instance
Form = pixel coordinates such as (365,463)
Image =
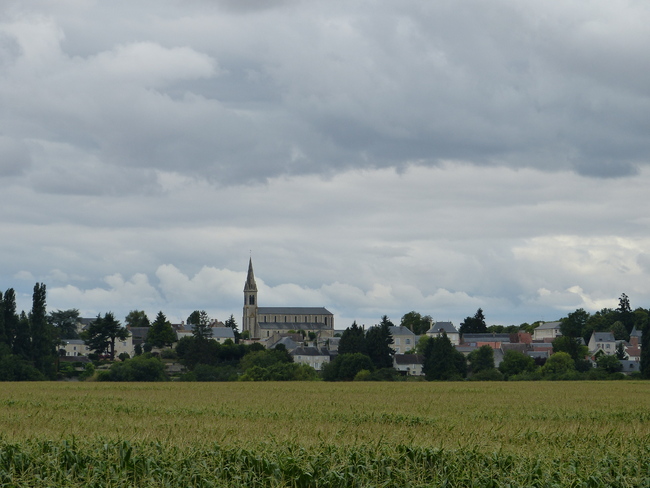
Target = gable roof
(548,325)
(400,330)
(603,337)
(293,311)
(309,351)
(447,327)
(408,359)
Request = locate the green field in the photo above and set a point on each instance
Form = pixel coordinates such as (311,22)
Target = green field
(325,434)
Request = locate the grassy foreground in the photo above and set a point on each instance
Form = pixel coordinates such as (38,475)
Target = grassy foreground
(325,434)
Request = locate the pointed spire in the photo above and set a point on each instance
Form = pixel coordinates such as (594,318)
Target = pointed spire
(250,279)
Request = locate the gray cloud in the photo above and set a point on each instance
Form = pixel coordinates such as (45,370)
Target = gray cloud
(382,158)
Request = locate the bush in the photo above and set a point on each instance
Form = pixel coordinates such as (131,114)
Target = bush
(140,368)
(168,354)
(492,374)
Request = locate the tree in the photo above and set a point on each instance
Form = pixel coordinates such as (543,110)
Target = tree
(574,324)
(42,334)
(161,333)
(611,364)
(378,341)
(572,346)
(65,323)
(515,362)
(416,323)
(102,333)
(558,364)
(353,340)
(201,329)
(625,313)
(619,331)
(481,359)
(346,366)
(620,351)
(137,318)
(442,361)
(474,325)
(9,317)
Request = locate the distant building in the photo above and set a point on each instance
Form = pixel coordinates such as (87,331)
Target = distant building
(549,330)
(448,328)
(263,322)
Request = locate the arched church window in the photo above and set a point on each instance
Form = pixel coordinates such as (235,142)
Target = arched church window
(251,300)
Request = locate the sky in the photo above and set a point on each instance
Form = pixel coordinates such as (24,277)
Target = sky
(371,157)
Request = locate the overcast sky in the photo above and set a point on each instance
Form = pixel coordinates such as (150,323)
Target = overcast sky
(374,157)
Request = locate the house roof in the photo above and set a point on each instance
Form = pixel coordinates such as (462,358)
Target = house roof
(548,325)
(448,327)
(310,351)
(400,330)
(603,337)
(486,337)
(293,311)
(408,359)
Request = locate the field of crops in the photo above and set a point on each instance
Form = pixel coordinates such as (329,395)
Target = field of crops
(325,434)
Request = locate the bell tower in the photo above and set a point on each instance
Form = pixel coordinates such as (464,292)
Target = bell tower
(249,320)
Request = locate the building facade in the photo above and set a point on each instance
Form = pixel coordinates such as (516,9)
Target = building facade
(262,322)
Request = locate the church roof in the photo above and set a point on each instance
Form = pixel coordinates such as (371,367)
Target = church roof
(250,279)
(293,310)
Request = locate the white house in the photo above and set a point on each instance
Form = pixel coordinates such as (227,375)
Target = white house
(403,339)
(602,341)
(549,330)
(448,328)
(408,364)
(312,356)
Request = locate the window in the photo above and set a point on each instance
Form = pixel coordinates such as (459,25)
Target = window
(267,333)
(251,299)
(265,319)
(285,318)
(408,341)
(275,318)
(325,320)
(397,341)
(295,319)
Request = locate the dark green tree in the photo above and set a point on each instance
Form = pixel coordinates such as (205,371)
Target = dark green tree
(102,333)
(620,351)
(619,331)
(378,344)
(9,317)
(442,361)
(200,322)
(346,366)
(44,341)
(137,318)
(474,325)
(481,359)
(65,323)
(416,323)
(572,346)
(22,345)
(574,324)
(161,334)
(624,312)
(353,340)
(515,362)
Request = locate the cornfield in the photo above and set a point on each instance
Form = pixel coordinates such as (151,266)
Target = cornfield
(587,434)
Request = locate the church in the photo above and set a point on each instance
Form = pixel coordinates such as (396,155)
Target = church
(263,322)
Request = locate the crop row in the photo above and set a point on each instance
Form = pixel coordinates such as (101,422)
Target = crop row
(125,464)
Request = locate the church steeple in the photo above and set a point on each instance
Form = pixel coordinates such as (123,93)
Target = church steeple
(249,319)
(250,279)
